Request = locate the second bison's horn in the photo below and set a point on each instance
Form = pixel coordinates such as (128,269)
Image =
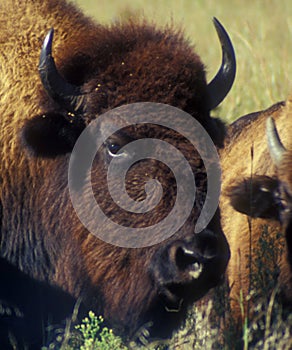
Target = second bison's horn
(67,95)
(219,87)
(276,147)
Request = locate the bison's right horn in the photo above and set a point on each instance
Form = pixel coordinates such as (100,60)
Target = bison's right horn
(276,147)
(67,95)
(219,87)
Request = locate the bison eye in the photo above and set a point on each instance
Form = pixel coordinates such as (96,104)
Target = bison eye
(113,147)
(113,150)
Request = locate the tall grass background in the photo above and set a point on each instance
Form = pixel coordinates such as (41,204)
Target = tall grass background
(261,31)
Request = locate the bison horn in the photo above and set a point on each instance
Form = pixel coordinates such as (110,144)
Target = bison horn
(276,147)
(219,87)
(67,95)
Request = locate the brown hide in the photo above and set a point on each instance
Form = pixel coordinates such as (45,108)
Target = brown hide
(40,233)
(248,168)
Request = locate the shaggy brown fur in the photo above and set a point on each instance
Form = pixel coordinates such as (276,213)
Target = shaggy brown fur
(246,158)
(40,232)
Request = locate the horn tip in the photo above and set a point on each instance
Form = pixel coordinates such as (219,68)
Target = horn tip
(270,123)
(219,27)
(47,45)
(275,145)
(216,21)
(46,50)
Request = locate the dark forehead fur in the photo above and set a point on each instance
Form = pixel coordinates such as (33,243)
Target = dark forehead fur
(135,62)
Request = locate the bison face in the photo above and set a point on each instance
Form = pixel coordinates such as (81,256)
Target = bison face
(265,197)
(173,268)
(257,197)
(154,276)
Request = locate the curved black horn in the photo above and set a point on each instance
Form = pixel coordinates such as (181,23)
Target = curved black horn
(219,87)
(67,95)
(276,147)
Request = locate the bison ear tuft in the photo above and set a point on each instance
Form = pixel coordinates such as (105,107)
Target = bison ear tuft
(257,197)
(50,135)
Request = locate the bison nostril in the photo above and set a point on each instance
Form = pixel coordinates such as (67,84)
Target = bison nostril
(207,244)
(185,257)
(188,260)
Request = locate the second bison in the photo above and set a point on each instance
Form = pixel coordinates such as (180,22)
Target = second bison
(256,205)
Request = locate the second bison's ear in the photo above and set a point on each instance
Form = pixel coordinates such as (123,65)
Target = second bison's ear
(50,135)
(257,197)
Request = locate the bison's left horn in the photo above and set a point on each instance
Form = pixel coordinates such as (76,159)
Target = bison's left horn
(67,95)
(219,87)
(276,147)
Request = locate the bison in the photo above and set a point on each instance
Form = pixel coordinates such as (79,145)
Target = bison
(256,196)
(44,110)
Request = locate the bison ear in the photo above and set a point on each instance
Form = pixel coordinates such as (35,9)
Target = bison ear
(257,197)
(50,135)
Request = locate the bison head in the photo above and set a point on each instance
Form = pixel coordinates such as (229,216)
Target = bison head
(267,197)
(270,198)
(151,285)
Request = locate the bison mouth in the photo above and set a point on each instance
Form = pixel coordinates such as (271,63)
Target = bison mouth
(182,273)
(186,270)
(200,278)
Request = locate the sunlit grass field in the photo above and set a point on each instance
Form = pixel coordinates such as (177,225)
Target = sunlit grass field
(261,31)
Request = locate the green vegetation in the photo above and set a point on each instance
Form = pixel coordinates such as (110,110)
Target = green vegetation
(90,334)
(94,336)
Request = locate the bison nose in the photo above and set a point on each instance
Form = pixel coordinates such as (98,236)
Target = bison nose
(203,247)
